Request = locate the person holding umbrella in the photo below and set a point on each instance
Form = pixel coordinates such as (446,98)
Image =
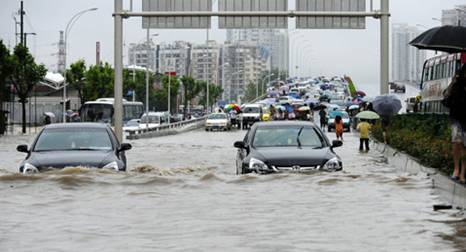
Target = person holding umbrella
(386,106)
(364,128)
(455,100)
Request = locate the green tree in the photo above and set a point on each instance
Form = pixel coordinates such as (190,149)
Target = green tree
(99,82)
(136,81)
(250,92)
(24,76)
(75,78)
(5,71)
(174,90)
(215,91)
(191,89)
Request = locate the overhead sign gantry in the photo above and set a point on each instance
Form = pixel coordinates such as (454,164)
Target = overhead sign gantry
(245,14)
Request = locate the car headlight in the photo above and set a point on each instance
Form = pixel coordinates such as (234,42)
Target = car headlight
(111,165)
(333,164)
(256,164)
(29,169)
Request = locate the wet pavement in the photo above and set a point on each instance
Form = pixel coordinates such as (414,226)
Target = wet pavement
(182,194)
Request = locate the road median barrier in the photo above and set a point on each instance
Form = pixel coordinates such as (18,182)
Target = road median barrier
(165,129)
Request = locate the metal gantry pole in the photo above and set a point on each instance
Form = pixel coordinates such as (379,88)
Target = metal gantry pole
(169,96)
(384,46)
(148,51)
(118,86)
(206,68)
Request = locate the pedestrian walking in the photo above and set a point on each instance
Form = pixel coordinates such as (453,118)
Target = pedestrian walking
(323,118)
(339,127)
(363,128)
(455,100)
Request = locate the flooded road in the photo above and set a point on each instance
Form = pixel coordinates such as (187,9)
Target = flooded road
(182,194)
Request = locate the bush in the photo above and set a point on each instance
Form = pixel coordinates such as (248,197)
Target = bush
(426,137)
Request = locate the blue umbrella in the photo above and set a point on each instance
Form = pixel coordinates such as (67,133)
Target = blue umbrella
(386,105)
(311,101)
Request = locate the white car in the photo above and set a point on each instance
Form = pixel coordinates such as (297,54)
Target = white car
(218,121)
(130,126)
(251,113)
(152,120)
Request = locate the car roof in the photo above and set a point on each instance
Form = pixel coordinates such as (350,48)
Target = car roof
(87,125)
(283,123)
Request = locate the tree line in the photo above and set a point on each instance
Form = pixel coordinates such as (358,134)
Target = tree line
(96,81)
(19,73)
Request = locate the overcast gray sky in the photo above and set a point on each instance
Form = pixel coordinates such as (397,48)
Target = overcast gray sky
(327,52)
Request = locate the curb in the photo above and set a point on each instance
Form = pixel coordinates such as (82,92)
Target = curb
(449,191)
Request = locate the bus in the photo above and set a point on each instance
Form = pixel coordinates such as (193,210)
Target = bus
(437,74)
(101,110)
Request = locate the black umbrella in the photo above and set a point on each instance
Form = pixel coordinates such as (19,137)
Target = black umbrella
(447,38)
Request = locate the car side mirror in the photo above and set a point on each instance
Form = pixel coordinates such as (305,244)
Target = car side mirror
(239,144)
(125,147)
(336,143)
(22,148)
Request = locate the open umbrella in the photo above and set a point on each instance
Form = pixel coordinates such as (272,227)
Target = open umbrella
(445,38)
(369,115)
(367,99)
(360,93)
(279,107)
(386,105)
(231,106)
(320,106)
(353,107)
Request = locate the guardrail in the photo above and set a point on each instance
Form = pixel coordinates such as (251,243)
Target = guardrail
(138,133)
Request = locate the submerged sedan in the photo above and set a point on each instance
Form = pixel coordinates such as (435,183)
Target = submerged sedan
(74,144)
(286,146)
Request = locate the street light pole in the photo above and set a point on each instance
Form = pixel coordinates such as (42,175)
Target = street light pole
(67,30)
(262,81)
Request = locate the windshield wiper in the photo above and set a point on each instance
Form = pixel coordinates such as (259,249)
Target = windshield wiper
(297,138)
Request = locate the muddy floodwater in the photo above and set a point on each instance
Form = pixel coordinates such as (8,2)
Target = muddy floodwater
(181,194)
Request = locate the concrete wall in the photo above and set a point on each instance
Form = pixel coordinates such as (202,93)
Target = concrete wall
(450,192)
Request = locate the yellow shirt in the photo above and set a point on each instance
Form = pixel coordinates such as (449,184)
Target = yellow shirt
(364,128)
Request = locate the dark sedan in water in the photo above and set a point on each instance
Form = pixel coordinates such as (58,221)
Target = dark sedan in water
(286,146)
(74,144)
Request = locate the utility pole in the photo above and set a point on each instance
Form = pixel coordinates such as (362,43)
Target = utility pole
(21,24)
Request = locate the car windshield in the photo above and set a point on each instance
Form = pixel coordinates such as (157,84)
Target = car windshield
(132,123)
(343,115)
(73,139)
(251,110)
(217,116)
(150,119)
(287,136)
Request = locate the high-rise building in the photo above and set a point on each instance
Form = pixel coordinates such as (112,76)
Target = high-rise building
(407,61)
(205,62)
(275,41)
(175,57)
(143,55)
(456,16)
(242,63)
